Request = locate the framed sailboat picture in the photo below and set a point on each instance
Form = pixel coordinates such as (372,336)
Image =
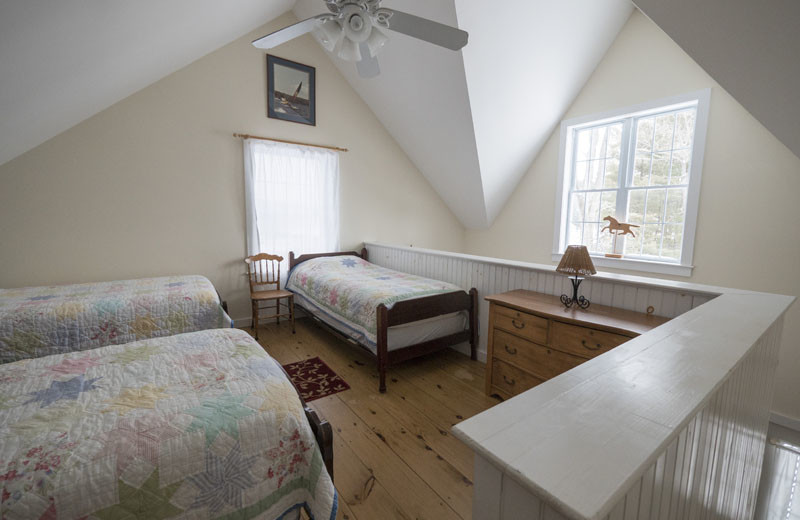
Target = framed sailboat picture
(291,91)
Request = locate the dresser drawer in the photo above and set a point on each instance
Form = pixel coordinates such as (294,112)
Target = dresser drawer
(525,325)
(512,380)
(542,361)
(582,341)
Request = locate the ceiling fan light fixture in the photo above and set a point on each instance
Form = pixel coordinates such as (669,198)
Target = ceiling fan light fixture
(356,23)
(348,50)
(328,34)
(376,41)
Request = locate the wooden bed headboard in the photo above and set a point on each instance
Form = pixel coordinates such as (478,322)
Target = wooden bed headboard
(293,261)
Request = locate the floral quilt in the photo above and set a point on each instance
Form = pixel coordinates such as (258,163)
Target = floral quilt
(349,290)
(39,321)
(198,425)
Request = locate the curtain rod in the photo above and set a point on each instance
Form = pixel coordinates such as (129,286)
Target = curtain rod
(248,136)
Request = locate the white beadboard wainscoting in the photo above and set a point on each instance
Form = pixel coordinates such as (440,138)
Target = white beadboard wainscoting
(494,275)
(669,425)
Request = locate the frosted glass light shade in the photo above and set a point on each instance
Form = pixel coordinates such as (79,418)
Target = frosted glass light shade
(376,41)
(328,34)
(348,50)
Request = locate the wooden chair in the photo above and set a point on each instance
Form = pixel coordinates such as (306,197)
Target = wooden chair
(264,271)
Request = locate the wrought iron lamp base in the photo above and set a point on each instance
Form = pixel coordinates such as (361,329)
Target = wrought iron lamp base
(575,300)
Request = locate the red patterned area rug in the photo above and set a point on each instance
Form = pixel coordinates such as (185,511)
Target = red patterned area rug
(314,379)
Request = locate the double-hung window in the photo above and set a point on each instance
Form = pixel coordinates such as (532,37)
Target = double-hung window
(639,166)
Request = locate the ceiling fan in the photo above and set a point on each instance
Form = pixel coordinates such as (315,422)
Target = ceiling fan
(353,30)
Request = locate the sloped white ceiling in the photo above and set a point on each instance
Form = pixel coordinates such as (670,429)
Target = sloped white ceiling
(525,64)
(750,48)
(63,61)
(421,98)
(473,121)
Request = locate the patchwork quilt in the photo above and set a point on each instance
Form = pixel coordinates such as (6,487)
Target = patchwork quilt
(349,289)
(198,425)
(39,321)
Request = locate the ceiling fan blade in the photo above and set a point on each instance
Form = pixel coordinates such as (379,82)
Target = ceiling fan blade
(289,33)
(368,65)
(428,30)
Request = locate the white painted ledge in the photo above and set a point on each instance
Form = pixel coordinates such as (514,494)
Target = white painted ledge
(601,276)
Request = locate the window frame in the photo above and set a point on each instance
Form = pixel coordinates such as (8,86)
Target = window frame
(700,99)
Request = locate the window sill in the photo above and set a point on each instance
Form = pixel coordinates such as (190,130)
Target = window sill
(638,265)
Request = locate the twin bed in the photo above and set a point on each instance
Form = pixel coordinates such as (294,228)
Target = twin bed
(396,316)
(39,321)
(200,424)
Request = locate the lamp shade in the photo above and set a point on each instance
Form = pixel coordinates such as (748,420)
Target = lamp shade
(576,261)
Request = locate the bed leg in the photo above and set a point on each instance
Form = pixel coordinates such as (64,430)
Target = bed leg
(382,316)
(255,319)
(291,311)
(473,324)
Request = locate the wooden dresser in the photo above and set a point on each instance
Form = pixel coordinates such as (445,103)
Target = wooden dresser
(533,338)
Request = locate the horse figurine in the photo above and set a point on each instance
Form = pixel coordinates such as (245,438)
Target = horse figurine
(615,227)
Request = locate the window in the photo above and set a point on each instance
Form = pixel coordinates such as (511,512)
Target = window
(639,165)
(292,199)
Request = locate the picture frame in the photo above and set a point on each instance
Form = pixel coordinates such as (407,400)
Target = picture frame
(291,91)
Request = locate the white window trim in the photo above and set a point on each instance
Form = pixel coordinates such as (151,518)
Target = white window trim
(682,268)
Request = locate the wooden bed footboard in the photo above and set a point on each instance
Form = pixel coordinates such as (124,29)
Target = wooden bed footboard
(321,429)
(408,311)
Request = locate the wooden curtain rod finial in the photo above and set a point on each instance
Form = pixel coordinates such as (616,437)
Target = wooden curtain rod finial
(248,136)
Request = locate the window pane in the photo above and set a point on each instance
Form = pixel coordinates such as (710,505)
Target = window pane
(652,239)
(680,167)
(590,237)
(644,135)
(611,179)
(655,206)
(614,140)
(676,204)
(604,241)
(593,207)
(641,170)
(659,175)
(581,171)
(598,142)
(633,244)
(582,153)
(684,131)
(595,180)
(608,204)
(673,238)
(576,207)
(664,128)
(636,206)
(574,233)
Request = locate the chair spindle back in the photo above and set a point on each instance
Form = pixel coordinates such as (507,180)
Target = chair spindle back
(264,270)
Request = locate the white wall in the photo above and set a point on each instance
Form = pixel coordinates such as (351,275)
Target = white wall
(748,229)
(154,184)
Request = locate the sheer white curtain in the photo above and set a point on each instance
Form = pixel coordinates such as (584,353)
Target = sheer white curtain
(292,199)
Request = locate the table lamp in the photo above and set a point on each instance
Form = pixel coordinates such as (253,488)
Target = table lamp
(576,261)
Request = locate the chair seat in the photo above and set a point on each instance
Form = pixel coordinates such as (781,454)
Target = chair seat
(269,295)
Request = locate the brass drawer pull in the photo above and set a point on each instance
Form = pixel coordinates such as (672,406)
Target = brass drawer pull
(598,347)
(514,323)
(510,350)
(509,383)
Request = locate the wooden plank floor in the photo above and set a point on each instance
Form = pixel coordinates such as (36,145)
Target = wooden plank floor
(394,455)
